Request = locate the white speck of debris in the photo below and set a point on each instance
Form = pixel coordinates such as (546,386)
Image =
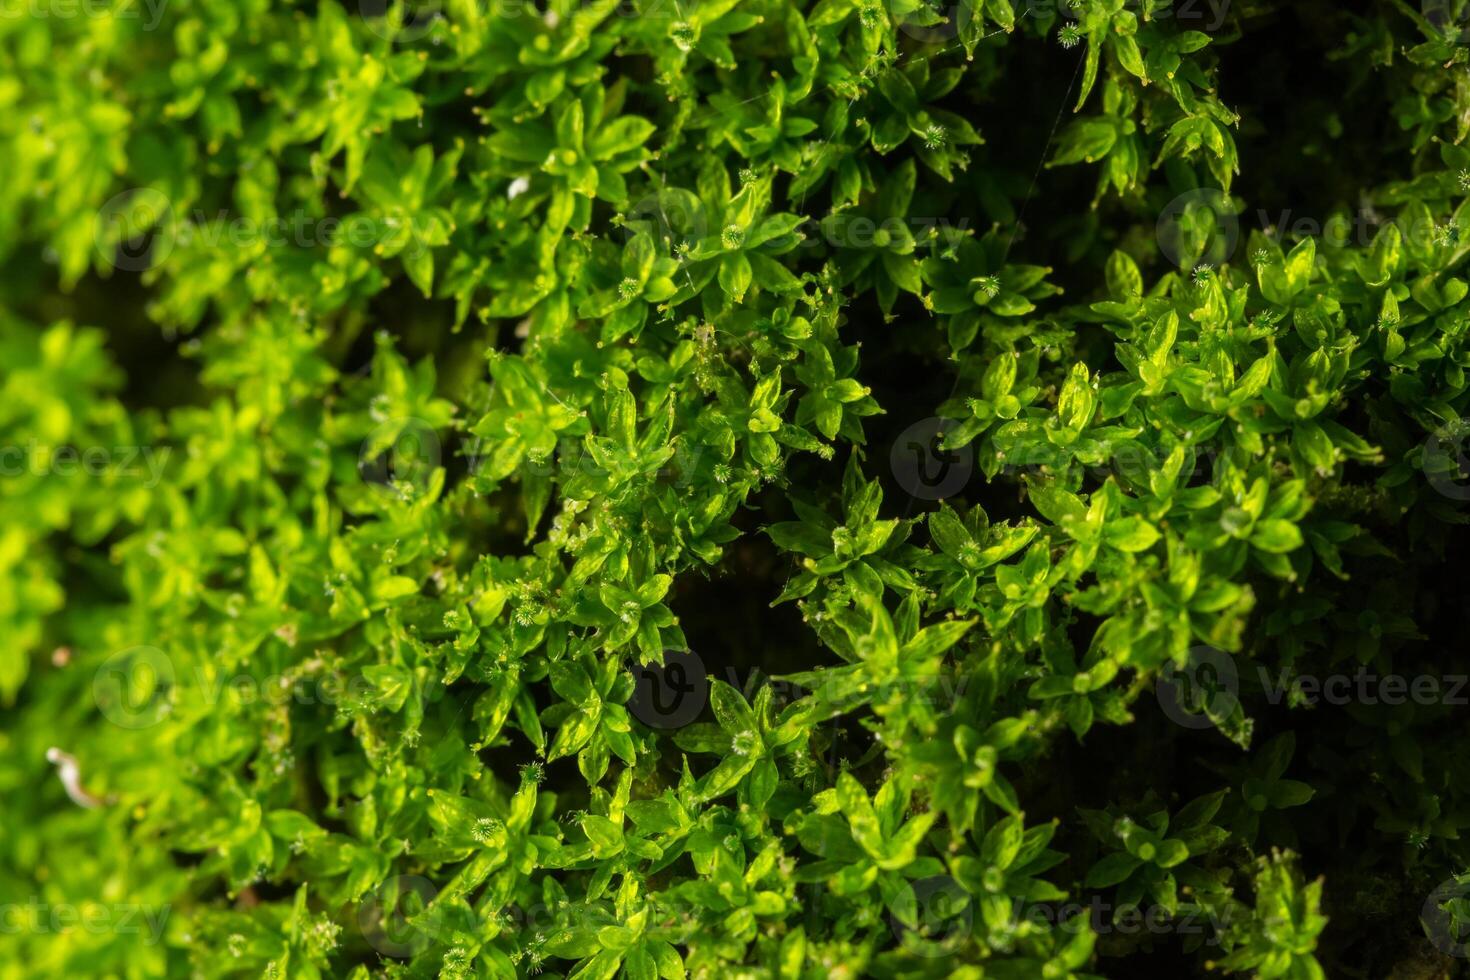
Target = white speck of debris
(71,778)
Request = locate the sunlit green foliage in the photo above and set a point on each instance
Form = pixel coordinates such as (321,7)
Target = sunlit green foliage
(386,393)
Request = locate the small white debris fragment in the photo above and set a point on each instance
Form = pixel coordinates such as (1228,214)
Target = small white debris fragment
(71,778)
